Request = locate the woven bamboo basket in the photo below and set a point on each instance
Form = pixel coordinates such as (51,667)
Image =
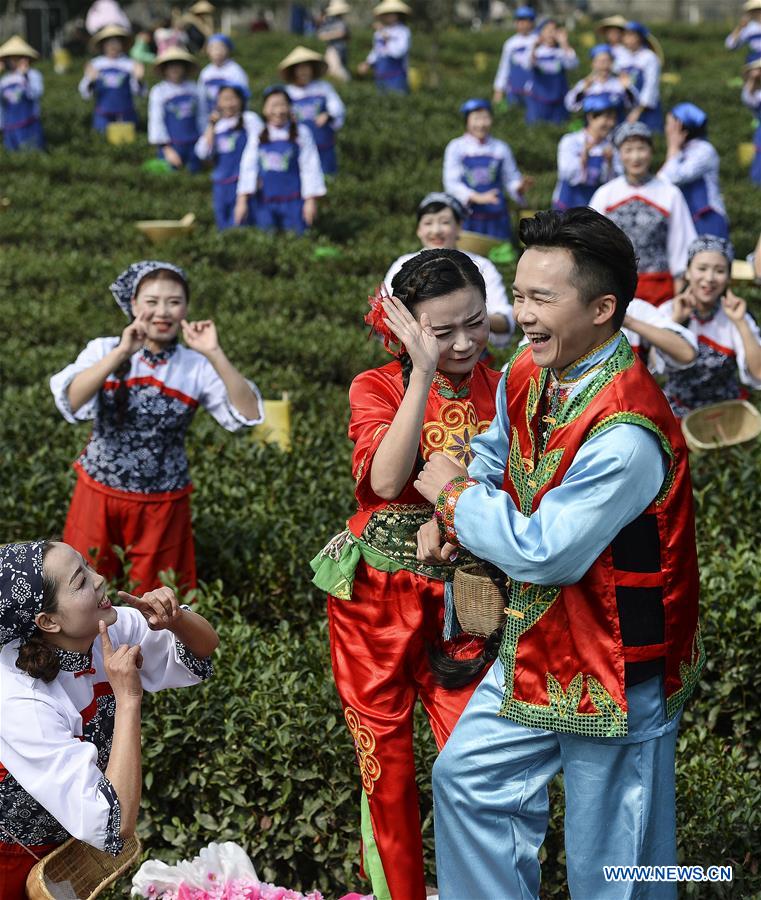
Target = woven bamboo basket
(746,151)
(721,425)
(477,243)
(160,230)
(76,869)
(742,270)
(478,602)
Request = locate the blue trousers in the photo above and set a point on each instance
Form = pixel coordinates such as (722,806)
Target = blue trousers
(285,215)
(491,806)
(712,222)
(223,198)
(491,226)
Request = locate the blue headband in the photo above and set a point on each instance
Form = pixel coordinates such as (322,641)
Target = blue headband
(243,92)
(275,89)
(473,104)
(597,103)
(600,48)
(20,590)
(640,29)
(632,130)
(223,39)
(525,12)
(709,243)
(126,285)
(446,200)
(689,115)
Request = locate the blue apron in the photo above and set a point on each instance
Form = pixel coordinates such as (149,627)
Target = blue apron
(22,128)
(278,201)
(210,91)
(516,80)
(181,122)
(580,194)
(390,73)
(707,220)
(484,173)
(113,98)
(228,149)
(651,116)
(545,97)
(307,109)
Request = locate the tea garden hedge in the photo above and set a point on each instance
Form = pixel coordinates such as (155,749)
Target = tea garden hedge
(260,755)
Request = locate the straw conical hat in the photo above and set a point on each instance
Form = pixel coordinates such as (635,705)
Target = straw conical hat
(751,6)
(203,8)
(109,31)
(303,55)
(337,8)
(392,6)
(175,54)
(611,22)
(17,46)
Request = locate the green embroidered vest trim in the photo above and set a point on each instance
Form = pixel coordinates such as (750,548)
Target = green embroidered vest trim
(690,675)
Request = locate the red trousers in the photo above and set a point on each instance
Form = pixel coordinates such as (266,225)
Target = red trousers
(378,643)
(655,287)
(15,866)
(156,534)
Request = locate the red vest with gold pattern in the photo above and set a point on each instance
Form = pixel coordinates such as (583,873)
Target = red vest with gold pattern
(569,651)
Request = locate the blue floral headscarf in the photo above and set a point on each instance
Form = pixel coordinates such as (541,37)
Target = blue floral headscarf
(711,243)
(20,589)
(126,285)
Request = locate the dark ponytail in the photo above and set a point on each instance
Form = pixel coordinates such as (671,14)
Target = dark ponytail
(452,672)
(37,657)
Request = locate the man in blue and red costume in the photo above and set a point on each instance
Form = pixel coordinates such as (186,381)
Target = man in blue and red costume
(580,491)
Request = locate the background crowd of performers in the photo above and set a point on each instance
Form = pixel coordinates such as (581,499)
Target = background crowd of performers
(439,473)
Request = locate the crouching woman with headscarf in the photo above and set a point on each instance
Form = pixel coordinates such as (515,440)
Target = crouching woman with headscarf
(72,673)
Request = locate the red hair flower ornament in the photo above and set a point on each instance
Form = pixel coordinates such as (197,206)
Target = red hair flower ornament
(378,322)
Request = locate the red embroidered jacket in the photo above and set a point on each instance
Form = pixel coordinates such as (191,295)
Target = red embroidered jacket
(570,651)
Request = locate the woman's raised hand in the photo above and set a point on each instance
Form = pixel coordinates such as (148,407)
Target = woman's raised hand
(735,307)
(134,335)
(122,667)
(159,608)
(418,338)
(683,305)
(201,336)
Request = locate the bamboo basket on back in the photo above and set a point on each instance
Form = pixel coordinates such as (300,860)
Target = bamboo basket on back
(478,602)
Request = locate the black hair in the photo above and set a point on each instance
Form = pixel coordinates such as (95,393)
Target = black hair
(603,256)
(36,656)
(435,207)
(293,129)
(695,132)
(431,274)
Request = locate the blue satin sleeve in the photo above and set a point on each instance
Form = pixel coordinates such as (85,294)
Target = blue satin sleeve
(614,477)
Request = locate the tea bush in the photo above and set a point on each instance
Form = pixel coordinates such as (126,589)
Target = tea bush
(260,754)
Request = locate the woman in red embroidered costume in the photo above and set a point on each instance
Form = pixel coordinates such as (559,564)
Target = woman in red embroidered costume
(142,390)
(385,608)
(72,674)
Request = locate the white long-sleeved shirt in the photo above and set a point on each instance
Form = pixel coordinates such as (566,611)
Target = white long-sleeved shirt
(697,159)
(515,52)
(310,169)
(55,738)
(552,60)
(496,296)
(334,105)
(124,63)
(570,150)
(157,98)
(654,216)
(28,84)
(211,75)
(749,34)
(252,123)
(648,64)
(392,41)
(467,145)
(574,99)
(654,315)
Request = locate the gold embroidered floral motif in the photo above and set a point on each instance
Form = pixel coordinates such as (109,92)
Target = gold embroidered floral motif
(364,743)
(457,425)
